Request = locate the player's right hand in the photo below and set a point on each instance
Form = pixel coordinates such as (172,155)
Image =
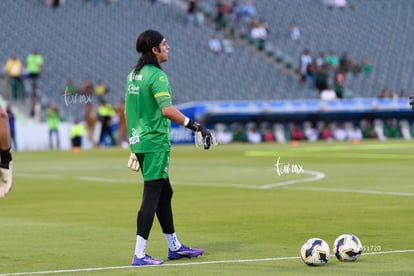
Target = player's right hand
(133,163)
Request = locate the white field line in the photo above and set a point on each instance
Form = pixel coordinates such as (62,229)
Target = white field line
(314,176)
(188,264)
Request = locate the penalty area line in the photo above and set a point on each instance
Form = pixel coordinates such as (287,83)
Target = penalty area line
(189,264)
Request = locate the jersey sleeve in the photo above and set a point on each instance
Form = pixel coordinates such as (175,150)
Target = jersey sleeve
(161,90)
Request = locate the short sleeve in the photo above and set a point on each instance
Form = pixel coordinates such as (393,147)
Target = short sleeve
(161,90)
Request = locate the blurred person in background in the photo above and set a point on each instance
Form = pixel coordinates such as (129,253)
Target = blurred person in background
(34,63)
(340,134)
(105,114)
(5,154)
(12,125)
(90,121)
(53,122)
(14,72)
(368,130)
(239,135)
(392,129)
(328,94)
(122,132)
(214,44)
(253,135)
(355,134)
(101,90)
(76,133)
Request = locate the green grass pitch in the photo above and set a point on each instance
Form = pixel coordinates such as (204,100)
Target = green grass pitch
(251,207)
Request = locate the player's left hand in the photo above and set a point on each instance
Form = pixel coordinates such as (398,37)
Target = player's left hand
(133,163)
(412,102)
(205,138)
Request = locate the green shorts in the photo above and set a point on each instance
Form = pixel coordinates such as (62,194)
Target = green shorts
(154,165)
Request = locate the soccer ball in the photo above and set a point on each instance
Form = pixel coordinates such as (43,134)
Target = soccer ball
(347,247)
(315,252)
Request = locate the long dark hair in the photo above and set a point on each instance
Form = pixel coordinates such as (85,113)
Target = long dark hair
(145,42)
(147,58)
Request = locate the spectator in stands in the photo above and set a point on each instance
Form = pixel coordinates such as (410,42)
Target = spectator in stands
(101,89)
(267,133)
(259,34)
(311,132)
(105,114)
(122,135)
(344,62)
(191,12)
(253,135)
(384,94)
(238,134)
(392,129)
(53,122)
(90,121)
(320,78)
(320,59)
(34,63)
(354,67)
(339,81)
(393,94)
(222,134)
(246,13)
(355,134)
(12,125)
(214,44)
(332,60)
(304,60)
(71,87)
(328,94)
(223,12)
(368,130)
(87,87)
(311,73)
(294,31)
(402,94)
(366,66)
(297,132)
(14,72)
(340,133)
(326,133)
(228,44)
(76,133)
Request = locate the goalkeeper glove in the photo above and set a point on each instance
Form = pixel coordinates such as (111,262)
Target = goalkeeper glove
(207,139)
(412,102)
(133,163)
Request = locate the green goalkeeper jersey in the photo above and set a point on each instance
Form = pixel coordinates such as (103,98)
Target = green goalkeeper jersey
(147,92)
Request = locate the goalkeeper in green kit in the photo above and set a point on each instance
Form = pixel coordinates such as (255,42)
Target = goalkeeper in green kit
(149,110)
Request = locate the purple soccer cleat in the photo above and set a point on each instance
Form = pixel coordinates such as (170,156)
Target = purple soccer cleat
(186,252)
(147,260)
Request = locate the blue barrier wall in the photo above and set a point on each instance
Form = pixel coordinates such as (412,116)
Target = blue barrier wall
(352,110)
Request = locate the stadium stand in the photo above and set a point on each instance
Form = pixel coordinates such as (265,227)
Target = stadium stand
(80,40)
